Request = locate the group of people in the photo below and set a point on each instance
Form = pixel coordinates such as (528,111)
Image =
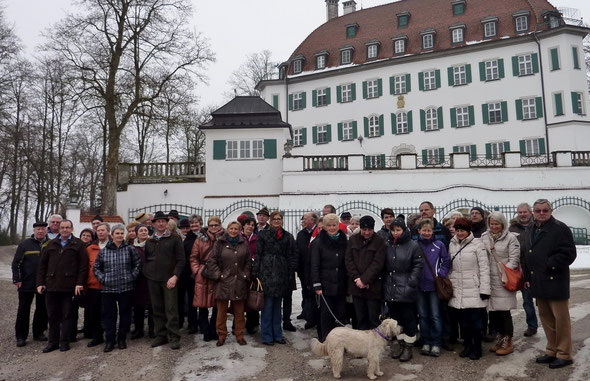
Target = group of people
(349,271)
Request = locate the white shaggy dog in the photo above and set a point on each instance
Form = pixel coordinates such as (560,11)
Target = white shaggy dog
(369,344)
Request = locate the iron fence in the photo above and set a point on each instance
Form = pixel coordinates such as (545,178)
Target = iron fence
(434,162)
(325,163)
(539,160)
(381,162)
(479,161)
(166,169)
(581,158)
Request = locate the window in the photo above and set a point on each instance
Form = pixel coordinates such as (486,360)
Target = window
(245,149)
(248,149)
(458,9)
(399,46)
(558,104)
(457,35)
(298,137)
(372,88)
(402,20)
(350,31)
(374,126)
(257,149)
(462,115)
(529,108)
(232,149)
(297,66)
(495,113)
(578,103)
(346,93)
(459,75)
(554,54)
(429,80)
(428,41)
(321,62)
(399,83)
(492,72)
(431,119)
(322,98)
(402,123)
(347,131)
(463,149)
(553,22)
(298,101)
(374,161)
(575,57)
(532,147)
(372,51)
(496,150)
(346,56)
(525,65)
(522,23)
(433,156)
(323,134)
(489,29)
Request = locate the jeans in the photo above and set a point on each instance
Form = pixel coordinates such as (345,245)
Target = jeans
(25,299)
(529,310)
(271,328)
(430,319)
(110,302)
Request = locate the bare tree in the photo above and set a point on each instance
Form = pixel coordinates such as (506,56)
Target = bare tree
(124,53)
(258,66)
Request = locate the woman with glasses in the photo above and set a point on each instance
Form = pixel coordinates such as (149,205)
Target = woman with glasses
(205,288)
(274,263)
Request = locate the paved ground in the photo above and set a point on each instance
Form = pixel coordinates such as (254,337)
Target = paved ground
(198,360)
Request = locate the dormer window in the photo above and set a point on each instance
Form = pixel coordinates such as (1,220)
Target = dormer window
(521,21)
(428,39)
(372,49)
(346,55)
(399,44)
(458,7)
(351,30)
(457,33)
(403,19)
(490,27)
(297,66)
(321,60)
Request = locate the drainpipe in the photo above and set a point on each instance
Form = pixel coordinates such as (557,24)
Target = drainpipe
(543,95)
(286,94)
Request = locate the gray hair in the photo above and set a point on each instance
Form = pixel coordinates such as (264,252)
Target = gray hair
(525,205)
(117,227)
(194,218)
(56,217)
(106,225)
(499,217)
(543,201)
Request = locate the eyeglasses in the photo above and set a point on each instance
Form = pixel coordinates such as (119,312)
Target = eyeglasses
(542,210)
(213,225)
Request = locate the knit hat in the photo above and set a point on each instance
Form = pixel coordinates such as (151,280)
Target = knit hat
(264,211)
(174,214)
(242,218)
(367,222)
(160,216)
(345,215)
(463,224)
(398,222)
(184,223)
(97,218)
(40,224)
(141,217)
(480,210)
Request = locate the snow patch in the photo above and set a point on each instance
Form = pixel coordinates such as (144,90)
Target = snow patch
(512,366)
(144,371)
(5,272)
(583,259)
(584,283)
(582,363)
(412,367)
(317,364)
(85,377)
(299,340)
(403,377)
(579,311)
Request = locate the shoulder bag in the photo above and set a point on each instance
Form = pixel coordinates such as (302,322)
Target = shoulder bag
(512,280)
(443,286)
(255,301)
(206,273)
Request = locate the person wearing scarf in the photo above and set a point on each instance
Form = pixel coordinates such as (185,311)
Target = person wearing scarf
(141,294)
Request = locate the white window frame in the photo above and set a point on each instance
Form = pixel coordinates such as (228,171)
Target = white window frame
(490,29)
(525,64)
(529,108)
(465,148)
(249,149)
(457,35)
(492,70)
(431,119)
(372,88)
(346,56)
(429,80)
(427,41)
(399,46)
(372,51)
(402,123)
(297,101)
(245,149)
(297,137)
(347,130)
(462,116)
(297,66)
(399,84)
(320,62)
(374,126)
(257,149)
(532,147)
(496,150)
(553,22)
(321,97)
(322,134)
(232,150)
(459,75)
(495,110)
(346,93)
(432,156)
(520,25)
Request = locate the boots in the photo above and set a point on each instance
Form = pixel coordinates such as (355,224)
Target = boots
(476,347)
(498,343)
(397,350)
(467,345)
(406,352)
(506,347)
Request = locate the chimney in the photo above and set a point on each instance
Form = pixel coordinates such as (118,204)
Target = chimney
(349,7)
(331,9)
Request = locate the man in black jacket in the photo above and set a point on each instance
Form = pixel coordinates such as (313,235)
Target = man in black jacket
(310,312)
(550,250)
(24,273)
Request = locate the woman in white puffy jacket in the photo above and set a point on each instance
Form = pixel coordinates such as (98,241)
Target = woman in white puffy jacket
(470,275)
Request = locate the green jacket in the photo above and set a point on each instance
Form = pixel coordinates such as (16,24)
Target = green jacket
(164,257)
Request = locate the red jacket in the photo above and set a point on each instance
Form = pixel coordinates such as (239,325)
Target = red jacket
(92,251)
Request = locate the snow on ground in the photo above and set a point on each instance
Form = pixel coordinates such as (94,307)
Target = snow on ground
(579,311)
(403,377)
(581,363)
(583,259)
(317,364)
(514,365)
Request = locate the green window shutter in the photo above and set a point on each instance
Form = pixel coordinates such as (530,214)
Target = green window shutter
(542,150)
(303,136)
(391,85)
(381,125)
(382,158)
(453,117)
(329,133)
(422,120)
(441,155)
(473,152)
(328,95)
(314,134)
(471,111)
(501,67)
(424,156)
(367,162)
(535,59)
(451,76)
(393,124)
(504,106)
(408,83)
(421,81)
(380,87)
(275,101)
(270,148)
(410,122)
(354,130)
(366,120)
(468,73)
(339,94)
(488,151)
(506,146)
(340,131)
(353,91)
(575,107)
(437,78)
(455,149)
(554,59)
(515,66)
(576,59)
(482,71)
(522,147)
(219,149)
(439,114)
(303,100)
(518,109)
(364,89)
(314,98)
(539,106)
(290,102)
(484,113)
(558,104)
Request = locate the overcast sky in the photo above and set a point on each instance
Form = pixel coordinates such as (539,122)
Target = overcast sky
(235,28)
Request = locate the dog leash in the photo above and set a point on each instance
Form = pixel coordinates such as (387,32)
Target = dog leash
(330,310)
(382,335)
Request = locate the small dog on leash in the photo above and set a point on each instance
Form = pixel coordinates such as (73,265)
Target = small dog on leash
(369,344)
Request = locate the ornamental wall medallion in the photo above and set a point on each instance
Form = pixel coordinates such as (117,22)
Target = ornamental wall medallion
(400,101)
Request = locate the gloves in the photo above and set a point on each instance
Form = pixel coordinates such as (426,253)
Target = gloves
(484,296)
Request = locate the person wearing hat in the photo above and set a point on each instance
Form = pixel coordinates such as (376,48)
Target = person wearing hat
(96,220)
(403,269)
(146,219)
(478,221)
(262,217)
(364,259)
(345,218)
(173,214)
(164,254)
(470,276)
(24,271)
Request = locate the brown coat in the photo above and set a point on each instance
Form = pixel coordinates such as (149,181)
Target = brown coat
(231,267)
(61,269)
(204,288)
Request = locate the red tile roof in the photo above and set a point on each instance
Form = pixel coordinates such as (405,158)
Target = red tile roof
(110,219)
(380,23)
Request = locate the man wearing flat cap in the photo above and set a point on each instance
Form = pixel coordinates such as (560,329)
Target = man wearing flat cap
(24,273)
(262,217)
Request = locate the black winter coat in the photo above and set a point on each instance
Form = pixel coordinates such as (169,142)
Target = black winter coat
(304,255)
(61,269)
(548,258)
(188,244)
(404,264)
(26,263)
(365,260)
(164,257)
(275,262)
(328,271)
